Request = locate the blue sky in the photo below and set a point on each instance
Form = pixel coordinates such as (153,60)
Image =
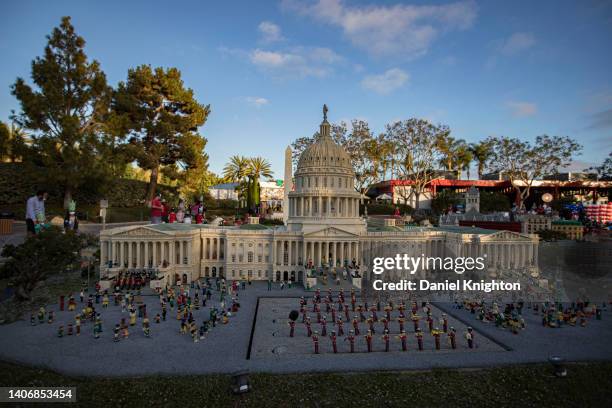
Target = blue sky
(519,68)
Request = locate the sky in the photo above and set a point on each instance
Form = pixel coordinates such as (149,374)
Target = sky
(484,68)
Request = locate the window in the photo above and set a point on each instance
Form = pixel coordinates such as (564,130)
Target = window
(233,258)
(259,258)
(240,258)
(233,273)
(259,274)
(267,258)
(324,181)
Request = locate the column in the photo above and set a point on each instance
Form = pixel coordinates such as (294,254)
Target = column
(103,252)
(181,255)
(189,262)
(129,253)
(146,254)
(218,248)
(289,253)
(334,253)
(304,258)
(328,206)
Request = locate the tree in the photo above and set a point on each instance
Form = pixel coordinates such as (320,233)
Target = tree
(455,153)
(480,153)
(257,167)
(523,163)
(162,118)
(604,172)
(416,142)
(5,135)
(13,144)
(43,255)
(236,169)
(64,109)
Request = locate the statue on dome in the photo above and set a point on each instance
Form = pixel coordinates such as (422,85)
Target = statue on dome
(325,112)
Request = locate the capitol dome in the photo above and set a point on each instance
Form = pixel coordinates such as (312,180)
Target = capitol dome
(324,186)
(325,154)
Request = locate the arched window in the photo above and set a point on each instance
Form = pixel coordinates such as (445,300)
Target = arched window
(250,256)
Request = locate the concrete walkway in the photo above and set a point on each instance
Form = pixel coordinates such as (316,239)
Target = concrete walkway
(226,346)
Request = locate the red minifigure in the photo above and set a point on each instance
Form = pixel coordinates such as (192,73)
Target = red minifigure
(315,340)
(402,336)
(356,325)
(340,324)
(333,338)
(385,338)
(351,339)
(419,337)
(436,333)
(308,327)
(368,338)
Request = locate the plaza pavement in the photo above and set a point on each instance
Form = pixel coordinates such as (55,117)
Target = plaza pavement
(226,346)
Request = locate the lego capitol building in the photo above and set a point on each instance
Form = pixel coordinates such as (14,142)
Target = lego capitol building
(322,228)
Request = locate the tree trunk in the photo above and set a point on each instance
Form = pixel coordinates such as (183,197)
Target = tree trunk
(152,184)
(67,197)
(416,200)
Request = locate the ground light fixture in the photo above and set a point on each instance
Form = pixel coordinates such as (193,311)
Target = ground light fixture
(558,364)
(240,382)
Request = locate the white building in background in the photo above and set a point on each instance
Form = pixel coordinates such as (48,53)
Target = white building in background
(224,191)
(323,228)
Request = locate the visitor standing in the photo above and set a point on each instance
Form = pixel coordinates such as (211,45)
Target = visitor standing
(165,211)
(156,209)
(35,211)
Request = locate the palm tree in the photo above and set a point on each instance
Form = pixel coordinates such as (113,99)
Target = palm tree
(481,152)
(257,168)
(447,145)
(464,158)
(236,169)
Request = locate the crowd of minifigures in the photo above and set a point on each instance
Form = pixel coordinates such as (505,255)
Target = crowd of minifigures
(132,304)
(388,320)
(554,314)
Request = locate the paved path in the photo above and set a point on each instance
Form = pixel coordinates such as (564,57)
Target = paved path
(225,348)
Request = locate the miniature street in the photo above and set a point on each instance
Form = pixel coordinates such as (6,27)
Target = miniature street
(228,347)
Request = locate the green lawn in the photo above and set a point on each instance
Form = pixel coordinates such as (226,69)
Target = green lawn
(587,385)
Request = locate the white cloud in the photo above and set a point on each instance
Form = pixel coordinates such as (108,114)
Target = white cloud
(517,42)
(386,82)
(269,32)
(256,101)
(407,30)
(298,61)
(522,109)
